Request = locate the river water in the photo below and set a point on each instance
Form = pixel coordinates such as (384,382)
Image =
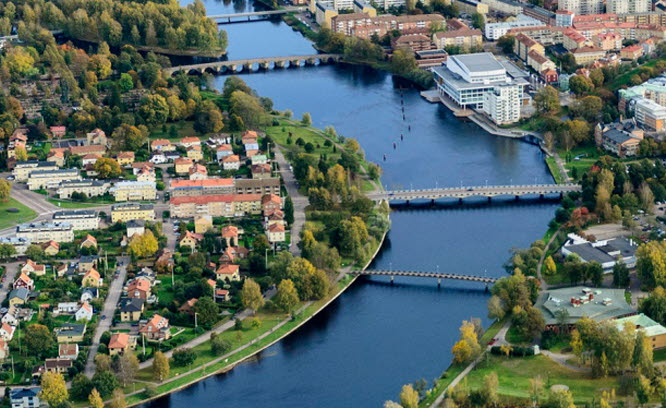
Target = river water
(376,337)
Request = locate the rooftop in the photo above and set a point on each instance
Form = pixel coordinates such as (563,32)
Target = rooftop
(598,304)
(479,62)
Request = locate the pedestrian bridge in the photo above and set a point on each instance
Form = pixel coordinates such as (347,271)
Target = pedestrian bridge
(221,17)
(459,193)
(267,63)
(432,275)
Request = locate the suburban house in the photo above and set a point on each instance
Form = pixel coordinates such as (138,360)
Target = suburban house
(157,328)
(139,288)
(222,295)
(190,141)
(87,262)
(24,281)
(162,145)
(131,310)
(71,333)
(85,312)
(125,159)
(270,203)
(223,151)
(67,307)
(228,272)
(92,279)
(121,343)
(88,242)
(27,397)
(203,224)
(230,235)
(231,162)
(88,294)
(198,172)
(188,307)
(4,349)
(68,351)
(7,331)
(190,240)
(19,296)
(57,365)
(276,233)
(182,165)
(33,267)
(50,248)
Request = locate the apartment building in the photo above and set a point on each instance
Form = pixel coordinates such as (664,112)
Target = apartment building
(134,191)
(628,6)
(502,105)
(91,188)
(582,7)
(80,220)
(649,114)
(362,25)
(132,211)
(23,168)
(465,39)
(494,31)
(227,205)
(45,231)
(47,179)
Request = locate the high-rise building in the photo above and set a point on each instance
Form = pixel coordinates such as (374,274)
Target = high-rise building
(582,7)
(628,6)
(502,104)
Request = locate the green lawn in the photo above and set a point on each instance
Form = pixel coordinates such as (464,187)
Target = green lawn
(514,375)
(184,128)
(554,170)
(280,134)
(513,337)
(72,204)
(8,219)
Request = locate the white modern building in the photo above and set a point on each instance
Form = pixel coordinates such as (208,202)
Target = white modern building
(502,104)
(467,78)
(582,7)
(43,232)
(650,115)
(628,6)
(494,31)
(564,18)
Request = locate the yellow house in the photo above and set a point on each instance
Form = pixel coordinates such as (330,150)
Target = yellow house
(182,165)
(134,191)
(228,272)
(92,279)
(587,55)
(195,153)
(131,310)
(125,158)
(190,240)
(132,211)
(203,223)
(72,333)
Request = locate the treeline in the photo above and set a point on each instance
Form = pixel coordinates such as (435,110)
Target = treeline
(162,24)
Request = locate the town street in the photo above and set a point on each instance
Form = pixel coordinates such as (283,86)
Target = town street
(299,200)
(11,270)
(110,304)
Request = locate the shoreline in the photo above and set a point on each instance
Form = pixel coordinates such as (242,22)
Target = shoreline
(232,365)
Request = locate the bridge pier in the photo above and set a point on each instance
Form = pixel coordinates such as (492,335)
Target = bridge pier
(541,196)
(490,200)
(439,283)
(561,196)
(486,287)
(391,279)
(265,65)
(279,64)
(432,202)
(407,202)
(517,198)
(460,201)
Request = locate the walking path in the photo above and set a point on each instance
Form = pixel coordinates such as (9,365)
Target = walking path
(299,200)
(563,170)
(544,284)
(561,359)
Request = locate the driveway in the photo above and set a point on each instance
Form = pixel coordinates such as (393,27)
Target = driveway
(110,304)
(299,200)
(11,270)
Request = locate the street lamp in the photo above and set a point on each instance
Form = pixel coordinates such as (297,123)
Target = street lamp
(195,319)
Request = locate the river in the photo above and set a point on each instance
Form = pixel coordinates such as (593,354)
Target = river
(376,337)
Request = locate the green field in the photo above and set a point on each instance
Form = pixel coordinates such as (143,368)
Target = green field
(514,375)
(554,170)
(184,128)
(8,219)
(72,204)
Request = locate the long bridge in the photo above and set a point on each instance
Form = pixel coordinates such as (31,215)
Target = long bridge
(232,66)
(432,275)
(459,193)
(221,17)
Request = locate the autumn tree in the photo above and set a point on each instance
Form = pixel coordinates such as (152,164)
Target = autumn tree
(107,168)
(286,298)
(160,366)
(495,308)
(491,388)
(154,110)
(38,339)
(409,398)
(580,84)
(620,275)
(102,362)
(126,367)
(95,400)
(647,197)
(353,235)
(506,42)
(651,263)
(54,390)
(126,137)
(467,348)
(561,399)
(251,296)
(403,62)
(549,267)
(248,109)
(118,400)
(306,120)
(21,154)
(143,245)
(208,118)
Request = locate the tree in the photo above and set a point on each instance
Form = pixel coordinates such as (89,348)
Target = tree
(21,154)
(576,344)
(561,399)
(409,398)
(105,382)
(54,390)
(549,267)
(143,245)
(160,366)
(596,273)
(579,84)
(102,362)
(19,61)
(597,77)
(125,83)
(479,21)
(183,357)
(232,84)
(118,400)
(219,345)
(207,311)
(642,359)
(651,263)
(402,62)
(95,400)
(506,43)
(7,251)
(579,130)
(547,99)
(307,119)
(655,305)
(38,339)
(467,348)
(647,197)
(286,298)
(34,252)
(643,389)
(154,110)
(5,189)
(107,168)
(126,368)
(251,296)
(208,118)
(126,137)
(491,388)
(536,388)
(289,210)
(248,109)
(81,387)
(495,308)
(353,235)
(620,275)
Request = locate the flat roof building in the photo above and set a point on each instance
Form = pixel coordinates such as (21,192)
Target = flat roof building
(81,220)
(44,231)
(605,252)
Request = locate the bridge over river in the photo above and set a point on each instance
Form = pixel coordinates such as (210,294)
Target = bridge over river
(460,193)
(220,18)
(432,275)
(232,66)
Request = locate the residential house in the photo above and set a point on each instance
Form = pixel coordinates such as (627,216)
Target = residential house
(195,153)
(271,203)
(89,160)
(50,248)
(131,309)
(276,233)
(587,55)
(90,149)
(57,365)
(4,349)
(57,157)
(68,351)
(125,159)
(70,333)
(132,211)
(89,242)
(228,272)
(230,234)
(10,319)
(33,267)
(87,262)
(412,42)
(259,159)
(7,331)
(19,296)
(466,39)
(92,279)
(631,52)
(157,328)
(231,162)
(188,307)
(182,165)
(85,312)
(139,288)
(24,281)
(81,220)
(67,307)
(135,227)
(190,240)
(190,141)
(25,397)
(88,294)
(198,172)
(162,145)
(222,295)
(223,151)
(134,191)
(203,224)
(57,131)
(121,343)
(146,174)
(250,140)
(261,171)
(158,158)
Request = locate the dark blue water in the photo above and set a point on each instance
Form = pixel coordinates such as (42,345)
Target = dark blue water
(377,337)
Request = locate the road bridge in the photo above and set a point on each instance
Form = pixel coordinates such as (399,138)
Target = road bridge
(220,18)
(432,275)
(460,193)
(266,63)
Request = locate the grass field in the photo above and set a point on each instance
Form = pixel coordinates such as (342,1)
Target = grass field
(184,129)
(8,219)
(554,170)
(514,375)
(72,204)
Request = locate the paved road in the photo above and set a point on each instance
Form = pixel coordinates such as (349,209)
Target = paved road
(299,200)
(33,200)
(11,270)
(110,304)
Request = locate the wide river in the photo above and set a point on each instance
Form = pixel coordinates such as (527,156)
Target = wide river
(377,337)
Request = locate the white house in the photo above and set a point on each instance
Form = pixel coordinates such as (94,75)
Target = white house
(88,294)
(10,319)
(84,313)
(158,159)
(67,307)
(7,332)
(25,397)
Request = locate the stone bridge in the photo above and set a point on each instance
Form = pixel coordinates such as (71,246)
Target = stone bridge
(267,63)
(516,191)
(432,275)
